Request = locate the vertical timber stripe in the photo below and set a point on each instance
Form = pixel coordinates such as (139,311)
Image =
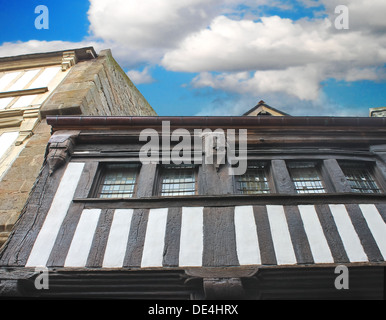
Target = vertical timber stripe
(280,234)
(102,233)
(247,243)
(219,237)
(364,234)
(172,237)
(45,240)
(133,255)
(331,233)
(153,248)
(267,251)
(320,250)
(118,236)
(376,225)
(381,207)
(191,241)
(65,235)
(84,234)
(347,232)
(298,235)
(180,237)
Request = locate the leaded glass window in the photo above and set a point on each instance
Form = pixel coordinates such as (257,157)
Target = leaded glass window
(359,176)
(177,180)
(254,180)
(118,180)
(306,177)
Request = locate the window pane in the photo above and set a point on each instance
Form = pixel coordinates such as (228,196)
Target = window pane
(178,181)
(305,177)
(118,181)
(24,80)
(358,175)
(254,180)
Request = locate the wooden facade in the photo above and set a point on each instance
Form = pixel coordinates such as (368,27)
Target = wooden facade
(216,243)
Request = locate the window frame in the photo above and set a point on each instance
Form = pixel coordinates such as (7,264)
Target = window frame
(95,191)
(269,177)
(371,168)
(157,190)
(319,168)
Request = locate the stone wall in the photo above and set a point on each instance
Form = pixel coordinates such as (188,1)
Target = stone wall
(97,87)
(93,87)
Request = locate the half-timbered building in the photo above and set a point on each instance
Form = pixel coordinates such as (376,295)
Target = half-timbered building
(304,220)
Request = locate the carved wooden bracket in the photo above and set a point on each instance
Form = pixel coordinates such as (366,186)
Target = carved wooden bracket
(214,148)
(61,147)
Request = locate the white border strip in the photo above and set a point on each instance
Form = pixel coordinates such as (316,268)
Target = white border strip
(46,238)
(153,248)
(247,243)
(192,237)
(118,237)
(347,233)
(282,242)
(376,225)
(319,247)
(82,240)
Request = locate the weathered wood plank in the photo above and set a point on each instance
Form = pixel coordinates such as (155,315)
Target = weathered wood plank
(65,235)
(98,247)
(376,224)
(299,238)
(146,180)
(19,245)
(219,237)
(364,233)
(172,238)
(318,244)
(264,235)
(58,210)
(133,255)
(86,180)
(281,176)
(335,175)
(347,233)
(331,234)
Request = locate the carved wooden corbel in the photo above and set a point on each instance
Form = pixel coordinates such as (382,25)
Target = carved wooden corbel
(61,147)
(214,148)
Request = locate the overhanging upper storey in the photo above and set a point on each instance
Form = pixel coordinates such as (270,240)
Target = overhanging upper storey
(311,195)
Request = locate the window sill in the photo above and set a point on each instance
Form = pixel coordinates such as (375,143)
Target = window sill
(234,199)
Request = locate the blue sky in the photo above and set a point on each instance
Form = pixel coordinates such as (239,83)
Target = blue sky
(211,57)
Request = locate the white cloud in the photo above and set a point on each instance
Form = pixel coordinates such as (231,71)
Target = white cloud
(301,82)
(292,57)
(232,51)
(140,77)
(34,46)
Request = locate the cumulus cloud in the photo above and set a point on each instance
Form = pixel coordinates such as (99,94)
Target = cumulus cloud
(301,82)
(33,46)
(140,77)
(233,46)
(275,54)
